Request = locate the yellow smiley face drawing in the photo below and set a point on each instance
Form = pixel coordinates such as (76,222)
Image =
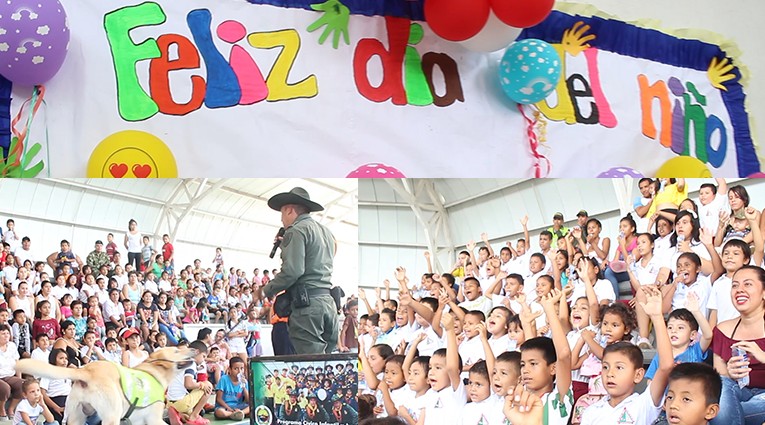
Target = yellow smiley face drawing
(132,154)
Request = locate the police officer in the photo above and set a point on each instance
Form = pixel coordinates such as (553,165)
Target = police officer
(307,252)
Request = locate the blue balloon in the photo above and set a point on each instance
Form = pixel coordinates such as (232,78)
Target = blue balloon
(529,71)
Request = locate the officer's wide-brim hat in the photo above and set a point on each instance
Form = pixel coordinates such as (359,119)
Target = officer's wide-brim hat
(296,196)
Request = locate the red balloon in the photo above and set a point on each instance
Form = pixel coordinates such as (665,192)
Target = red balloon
(456,20)
(522,13)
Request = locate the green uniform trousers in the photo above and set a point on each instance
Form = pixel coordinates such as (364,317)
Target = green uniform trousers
(314,329)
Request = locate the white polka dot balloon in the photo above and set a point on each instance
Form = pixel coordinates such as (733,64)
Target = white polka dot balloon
(34,39)
(375,171)
(529,71)
(618,172)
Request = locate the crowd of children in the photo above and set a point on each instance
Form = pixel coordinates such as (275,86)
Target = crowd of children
(69,312)
(533,336)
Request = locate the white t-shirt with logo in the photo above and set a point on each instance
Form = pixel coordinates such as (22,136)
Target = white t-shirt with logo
(415,404)
(446,405)
(471,351)
(557,412)
(486,412)
(701,287)
(482,304)
(636,409)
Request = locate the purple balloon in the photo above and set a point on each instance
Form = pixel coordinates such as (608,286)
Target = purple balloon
(34,38)
(617,172)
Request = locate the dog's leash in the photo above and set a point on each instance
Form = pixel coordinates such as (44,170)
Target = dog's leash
(126,419)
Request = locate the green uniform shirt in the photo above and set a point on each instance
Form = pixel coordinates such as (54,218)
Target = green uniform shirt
(96,259)
(307,252)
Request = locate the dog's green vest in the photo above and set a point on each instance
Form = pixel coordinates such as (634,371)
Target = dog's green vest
(140,387)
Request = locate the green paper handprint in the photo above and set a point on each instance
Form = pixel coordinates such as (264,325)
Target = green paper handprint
(335,18)
(9,168)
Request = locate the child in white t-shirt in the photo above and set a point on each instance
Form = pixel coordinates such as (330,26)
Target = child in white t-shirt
(623,369)
(31,406)
(484,407)
(392,387)
(42,351)
(113,352)
(474,298)
(735,254)
(546,363)
(445,366)
(416,371)
(689,279)
(471,348)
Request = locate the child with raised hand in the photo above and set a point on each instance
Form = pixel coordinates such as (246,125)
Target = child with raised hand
(485,406)
(498,325)
(444,376)
(31,406)
(471,348)
(623,370)
(590,273)
(512,286)
(584,315)
(416,371)
(393,388)
(683,326)
(373,365)
(546,363)
(422,312)
(648,269)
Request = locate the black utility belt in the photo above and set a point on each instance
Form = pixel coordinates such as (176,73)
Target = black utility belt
(318,291)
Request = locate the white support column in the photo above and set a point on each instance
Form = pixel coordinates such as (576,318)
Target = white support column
(404,188)
(622,197)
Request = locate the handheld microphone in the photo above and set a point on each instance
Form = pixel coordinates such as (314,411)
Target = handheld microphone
(277,242)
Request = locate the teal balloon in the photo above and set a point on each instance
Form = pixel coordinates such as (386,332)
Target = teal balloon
(529,71)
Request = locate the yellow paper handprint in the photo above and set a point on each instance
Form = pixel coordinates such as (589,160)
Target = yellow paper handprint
(574,41)
(719,72)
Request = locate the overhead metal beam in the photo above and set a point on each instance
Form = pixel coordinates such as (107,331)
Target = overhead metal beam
(396,244)
(484,193)
(85,187)
(200,194)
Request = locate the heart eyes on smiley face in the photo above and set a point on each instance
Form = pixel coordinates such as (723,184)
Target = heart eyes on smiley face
(132,154)
(140,171)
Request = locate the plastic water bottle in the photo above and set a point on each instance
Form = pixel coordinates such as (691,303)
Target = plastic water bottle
(736,351)
(680,238)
